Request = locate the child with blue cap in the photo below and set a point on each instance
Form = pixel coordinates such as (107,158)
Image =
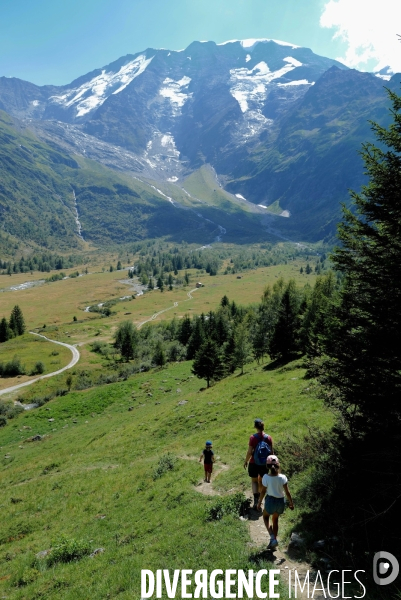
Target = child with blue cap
(208,460)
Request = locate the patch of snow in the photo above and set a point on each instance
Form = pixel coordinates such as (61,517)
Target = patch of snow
(285,213)
(249,86)
(293,61)
(262,206)
(251,43)
(35,102)
(163,194)
(240,196)
(92,94)
(298,82)
(149,145)
(166,140)
(173,179)
(189,57)
(385,77)
(248,58)
(174,92)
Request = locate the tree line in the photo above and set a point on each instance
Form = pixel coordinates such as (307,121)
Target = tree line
(287,322)
(160,261)
(44,263)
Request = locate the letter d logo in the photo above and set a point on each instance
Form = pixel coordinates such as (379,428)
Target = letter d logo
(385,568)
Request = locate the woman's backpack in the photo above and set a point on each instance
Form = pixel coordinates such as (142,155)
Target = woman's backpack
(262,450)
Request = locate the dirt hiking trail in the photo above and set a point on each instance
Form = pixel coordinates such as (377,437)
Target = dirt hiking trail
(282,558)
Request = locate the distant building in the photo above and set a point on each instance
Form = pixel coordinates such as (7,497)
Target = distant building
(199,284)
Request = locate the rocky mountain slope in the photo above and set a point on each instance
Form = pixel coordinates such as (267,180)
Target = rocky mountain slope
(53,199)
(280,125)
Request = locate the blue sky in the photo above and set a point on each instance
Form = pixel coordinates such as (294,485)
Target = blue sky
(55,41)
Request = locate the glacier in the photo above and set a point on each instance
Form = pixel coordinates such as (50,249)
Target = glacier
(90,95)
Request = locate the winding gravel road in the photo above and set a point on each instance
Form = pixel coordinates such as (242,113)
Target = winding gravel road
(74,360)
(75,351)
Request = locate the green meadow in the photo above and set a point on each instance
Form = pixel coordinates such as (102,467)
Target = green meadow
(94,478)
(56,303)
(31,350)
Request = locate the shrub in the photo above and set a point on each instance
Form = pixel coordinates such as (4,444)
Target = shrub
(28,575)
(4,407)
(83,381)
(107,378)
(41,400)
(61,392)
(3,421)
(14,411)
(38,369)
(176,352)
(66,550)
(235,505)
(166,463)
(101,348)
(12,368)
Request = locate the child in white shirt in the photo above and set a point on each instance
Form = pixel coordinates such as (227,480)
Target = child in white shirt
(275,484)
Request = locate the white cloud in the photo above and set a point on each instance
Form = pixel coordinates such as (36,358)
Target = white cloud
(369,28)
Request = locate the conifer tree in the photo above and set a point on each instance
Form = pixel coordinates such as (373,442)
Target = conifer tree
(5,332)
(160,283)
(362,371)
(197,337)
(242,352)
(207,362)
(17,323)
(126,339)
(184,330)
(284,341)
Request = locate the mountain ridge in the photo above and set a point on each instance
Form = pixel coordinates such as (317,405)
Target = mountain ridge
(279,124)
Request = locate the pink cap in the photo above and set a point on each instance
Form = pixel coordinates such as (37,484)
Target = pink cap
(272,460)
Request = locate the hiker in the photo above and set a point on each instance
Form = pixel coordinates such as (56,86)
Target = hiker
(276,486)
(260,447)
(208,460)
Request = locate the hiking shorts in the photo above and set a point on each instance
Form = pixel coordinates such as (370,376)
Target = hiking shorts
(254,470)
(208,467)
(274,505)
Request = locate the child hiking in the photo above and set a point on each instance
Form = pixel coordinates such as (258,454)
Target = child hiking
(208,459)
(276,486)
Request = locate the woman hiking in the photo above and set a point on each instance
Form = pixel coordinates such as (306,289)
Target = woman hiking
(259,448)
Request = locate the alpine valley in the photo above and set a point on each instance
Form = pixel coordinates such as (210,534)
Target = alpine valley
(250,140)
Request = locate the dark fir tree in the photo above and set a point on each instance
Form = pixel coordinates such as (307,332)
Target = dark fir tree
(126,340)
(207,362)
(284,340)
(362,373)
(197,337)
(5,331)
(160,284)
(17,323)
(184,330)
(316,318)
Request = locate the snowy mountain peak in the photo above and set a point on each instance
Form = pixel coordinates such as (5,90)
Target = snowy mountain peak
(250,43)
(91,94)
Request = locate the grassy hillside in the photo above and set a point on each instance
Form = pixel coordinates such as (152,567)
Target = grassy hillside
(37,205)
(93,477)
(42,187)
